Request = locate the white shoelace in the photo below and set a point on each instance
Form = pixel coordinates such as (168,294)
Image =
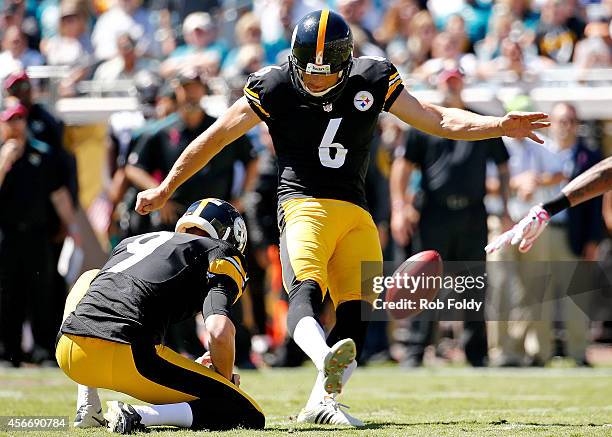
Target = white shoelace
(334,403)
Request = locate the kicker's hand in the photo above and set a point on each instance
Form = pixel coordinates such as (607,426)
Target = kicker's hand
(522,125)
(524,232)
(150,200)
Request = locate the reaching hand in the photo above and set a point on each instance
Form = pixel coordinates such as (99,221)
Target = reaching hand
(150,200)
(403,224)
(10,152)
(522,124)
(526,231)
(205,359)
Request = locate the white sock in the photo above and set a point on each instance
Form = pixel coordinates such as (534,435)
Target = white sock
(169,414)
(310,337)
(88,396)
(318,391)
(348,372)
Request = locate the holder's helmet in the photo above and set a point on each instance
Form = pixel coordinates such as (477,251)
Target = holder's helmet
(322,43)
(218,218)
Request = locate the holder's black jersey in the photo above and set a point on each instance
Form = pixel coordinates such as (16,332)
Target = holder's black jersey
(153,280)
(323,152)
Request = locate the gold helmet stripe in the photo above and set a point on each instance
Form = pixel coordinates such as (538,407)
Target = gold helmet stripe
(200,207)
(321,36)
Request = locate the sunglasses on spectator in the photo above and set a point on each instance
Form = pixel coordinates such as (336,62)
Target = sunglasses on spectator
(126,46)
(21,85)
(566,120)
(16,118)
(71,17)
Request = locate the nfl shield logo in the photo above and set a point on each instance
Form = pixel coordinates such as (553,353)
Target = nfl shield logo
(363,100)
(327,107)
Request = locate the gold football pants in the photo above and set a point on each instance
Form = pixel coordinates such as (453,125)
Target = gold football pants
(326,240)
(154,374)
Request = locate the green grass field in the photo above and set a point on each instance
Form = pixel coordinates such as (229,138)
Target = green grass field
(394,402)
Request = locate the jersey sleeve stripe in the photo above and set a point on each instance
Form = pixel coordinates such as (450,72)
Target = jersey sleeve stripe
(260,109)
(222,266)
(252,99)
(392,88)
(393,76)
(242,269)
(238,267)
(251,93)
(397,78)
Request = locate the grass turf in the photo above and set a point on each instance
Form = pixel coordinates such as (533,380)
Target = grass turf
(393,402)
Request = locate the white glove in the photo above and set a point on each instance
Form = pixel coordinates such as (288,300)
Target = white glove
(526,231)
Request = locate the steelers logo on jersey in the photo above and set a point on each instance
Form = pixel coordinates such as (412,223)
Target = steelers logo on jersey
(363,100)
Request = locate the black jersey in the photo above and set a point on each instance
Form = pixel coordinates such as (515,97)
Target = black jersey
(153,280)
(323,152)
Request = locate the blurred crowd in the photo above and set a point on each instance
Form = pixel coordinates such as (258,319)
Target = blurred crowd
(424,192)
(110,40)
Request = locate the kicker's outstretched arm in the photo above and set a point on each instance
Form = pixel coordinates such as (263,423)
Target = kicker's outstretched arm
(234,123)
(458,124)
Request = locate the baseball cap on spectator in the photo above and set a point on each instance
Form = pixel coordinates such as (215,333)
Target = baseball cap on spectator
(197,20)
(16,109)
(520,103)
(71,7)
(187,75)
(450,73)
(15,77)
(10,8)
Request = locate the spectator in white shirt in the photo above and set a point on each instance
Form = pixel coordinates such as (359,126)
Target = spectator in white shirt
(127,16)
(71,46)
(535,172)
(123,66)
(15,53)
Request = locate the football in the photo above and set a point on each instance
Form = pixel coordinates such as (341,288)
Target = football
(415,282)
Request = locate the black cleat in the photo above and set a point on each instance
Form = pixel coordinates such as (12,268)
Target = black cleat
(122,418)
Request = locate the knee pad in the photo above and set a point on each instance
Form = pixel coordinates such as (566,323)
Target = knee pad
(352,318)
(305,300)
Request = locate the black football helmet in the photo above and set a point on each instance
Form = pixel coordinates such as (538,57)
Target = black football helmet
(322,43)
(218,218)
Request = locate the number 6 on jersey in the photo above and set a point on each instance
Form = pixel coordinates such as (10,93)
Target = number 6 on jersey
(326,145)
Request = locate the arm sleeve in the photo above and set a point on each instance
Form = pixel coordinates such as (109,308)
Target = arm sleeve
(394,84)
(414,150)
(221,296)
(595,222)
(245,150)
(57,176)
(497,150)
(146,153)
